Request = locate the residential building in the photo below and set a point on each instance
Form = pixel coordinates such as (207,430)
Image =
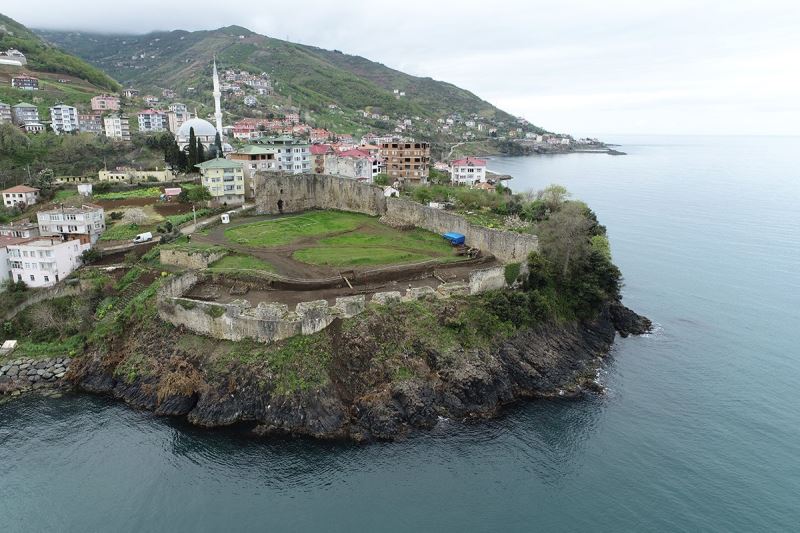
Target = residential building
(152,120)
(131,175)
(105,102)
(468,171)
(33,127)
(24,112)
(28,83)
(5,113)
(318,135)
(90,123)
(406,162)
(5,268)
(151,100)
(292,154)
(43,262)
(23,230)
(254,158)
(318,154)
(224,179)
(20,195)
(352,164)
(64,118)
(130,93)
(85,223)
(117,127)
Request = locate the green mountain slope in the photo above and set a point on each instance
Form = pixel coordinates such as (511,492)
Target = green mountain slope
(46,58)
(304,76)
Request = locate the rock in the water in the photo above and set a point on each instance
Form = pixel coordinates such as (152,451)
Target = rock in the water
(627,322)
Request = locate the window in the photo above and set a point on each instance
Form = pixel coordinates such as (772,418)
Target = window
(47,278)
(33,278)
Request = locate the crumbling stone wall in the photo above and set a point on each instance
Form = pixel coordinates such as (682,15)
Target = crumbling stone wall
(316,191)
(272,321)
(194,259)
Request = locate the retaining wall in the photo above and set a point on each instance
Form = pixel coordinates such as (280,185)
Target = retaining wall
(194,259)
(317,191)
(269,322)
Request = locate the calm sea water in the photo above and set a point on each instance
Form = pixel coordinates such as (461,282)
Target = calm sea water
(700,430)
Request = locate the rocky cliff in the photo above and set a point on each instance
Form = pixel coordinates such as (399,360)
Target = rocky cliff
(377,381)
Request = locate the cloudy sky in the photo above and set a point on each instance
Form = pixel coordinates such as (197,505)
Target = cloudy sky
(584,67)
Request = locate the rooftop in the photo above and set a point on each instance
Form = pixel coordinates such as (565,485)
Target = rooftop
(20,188)
(72,209)
(469,161)
(218,163)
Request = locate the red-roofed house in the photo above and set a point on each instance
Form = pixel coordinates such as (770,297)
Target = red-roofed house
(318,153)
(319,135)
(21,194)
(468,171)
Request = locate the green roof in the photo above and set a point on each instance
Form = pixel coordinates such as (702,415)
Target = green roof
(24,104)
(254,149)
(218,163)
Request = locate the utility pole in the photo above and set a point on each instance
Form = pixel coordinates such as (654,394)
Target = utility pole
(194,214)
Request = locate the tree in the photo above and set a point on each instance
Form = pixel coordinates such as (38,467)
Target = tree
(201,153)
(565,236)
(553,196)
(192,156)
(195,195)
(381,179)
(44,179)
(135,216)
(218,144)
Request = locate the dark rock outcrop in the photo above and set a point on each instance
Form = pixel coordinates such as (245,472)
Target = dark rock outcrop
(360,402)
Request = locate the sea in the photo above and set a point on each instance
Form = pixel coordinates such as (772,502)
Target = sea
(699,429)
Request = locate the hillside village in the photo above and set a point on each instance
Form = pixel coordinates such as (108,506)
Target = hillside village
(225,160)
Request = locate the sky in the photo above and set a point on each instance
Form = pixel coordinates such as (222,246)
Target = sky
(579,67)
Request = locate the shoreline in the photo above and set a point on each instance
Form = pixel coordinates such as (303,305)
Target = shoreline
(547,361)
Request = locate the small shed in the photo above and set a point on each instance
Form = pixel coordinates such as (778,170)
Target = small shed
(456,239)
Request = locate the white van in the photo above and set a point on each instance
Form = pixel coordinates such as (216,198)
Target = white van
(143,237)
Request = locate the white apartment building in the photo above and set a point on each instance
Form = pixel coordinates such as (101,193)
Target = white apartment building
(468,171)
(291,154)
(64,118)
(117,127)
(153,121)
(20,194)
(85,223)
(42,262)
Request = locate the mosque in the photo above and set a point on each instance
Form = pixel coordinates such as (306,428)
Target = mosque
(203,129)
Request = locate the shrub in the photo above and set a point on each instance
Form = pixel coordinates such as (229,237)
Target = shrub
(512,272)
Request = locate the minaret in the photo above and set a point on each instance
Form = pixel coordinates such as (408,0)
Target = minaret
(217,96)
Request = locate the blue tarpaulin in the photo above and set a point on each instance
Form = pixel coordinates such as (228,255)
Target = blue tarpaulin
(454,238)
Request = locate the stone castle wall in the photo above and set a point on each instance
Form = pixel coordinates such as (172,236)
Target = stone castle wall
(272,321)
(316,191)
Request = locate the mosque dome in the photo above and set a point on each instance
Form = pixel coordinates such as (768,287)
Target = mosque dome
(202,128)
